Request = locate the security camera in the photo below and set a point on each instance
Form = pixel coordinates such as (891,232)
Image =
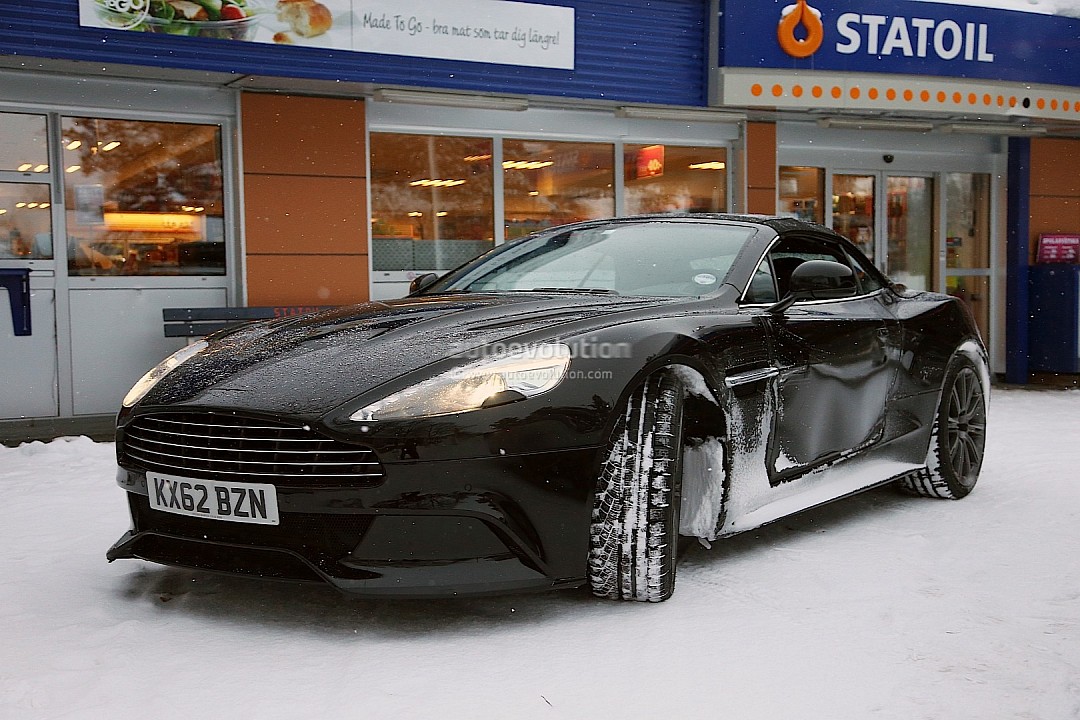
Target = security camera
(887,158)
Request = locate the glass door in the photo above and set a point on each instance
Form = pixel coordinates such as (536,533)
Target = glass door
(967,243)
(891,219)
(28,352)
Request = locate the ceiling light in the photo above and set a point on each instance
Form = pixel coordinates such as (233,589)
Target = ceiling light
(679,114)
(876,124)
(43,205)
(41,168)
(31,205)
(73,168)
(416,214)
(477,158)
(25,166)
(526,164)
(428,182)
(3,211)
(992,129)
(441,213)
(110,146)
(713,165)
(534,193)
(482,102)
(20,204)
(74,145)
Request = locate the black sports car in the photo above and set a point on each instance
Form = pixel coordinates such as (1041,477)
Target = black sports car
(555,413)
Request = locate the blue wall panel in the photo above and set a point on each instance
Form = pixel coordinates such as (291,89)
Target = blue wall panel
(648,51)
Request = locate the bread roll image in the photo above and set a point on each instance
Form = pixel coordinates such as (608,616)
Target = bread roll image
(306,18)
(283,38)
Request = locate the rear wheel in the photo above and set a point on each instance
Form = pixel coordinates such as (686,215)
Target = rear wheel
(635,516)
(958,439)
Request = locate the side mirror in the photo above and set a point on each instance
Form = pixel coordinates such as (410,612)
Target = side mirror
(822,280)
(817,280)
(422,282)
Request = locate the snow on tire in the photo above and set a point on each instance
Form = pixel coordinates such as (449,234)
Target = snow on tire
(958,437)
(635,516)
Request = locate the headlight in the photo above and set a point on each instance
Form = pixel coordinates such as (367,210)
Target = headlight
(166,366)
(525,373)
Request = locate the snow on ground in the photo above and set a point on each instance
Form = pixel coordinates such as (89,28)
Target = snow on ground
(880,606)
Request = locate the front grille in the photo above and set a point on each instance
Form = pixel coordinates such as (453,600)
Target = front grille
(217,446)
(266,550)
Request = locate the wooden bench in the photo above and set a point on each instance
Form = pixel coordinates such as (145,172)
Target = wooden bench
(197,322)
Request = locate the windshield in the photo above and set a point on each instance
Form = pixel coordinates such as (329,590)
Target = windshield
(655,258)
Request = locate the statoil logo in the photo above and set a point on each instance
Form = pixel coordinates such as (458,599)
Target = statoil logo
(788,34)
(802,32)
(125,14)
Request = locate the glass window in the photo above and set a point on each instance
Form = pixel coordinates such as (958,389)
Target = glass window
(762,287)
(432,201)
(791,252)
(967,220)
(653,259)
(853,210)
(550,183)
(23,144)
(143,198)
(910,211)
(25,221)
(672,178)
(967,242)
(802,193)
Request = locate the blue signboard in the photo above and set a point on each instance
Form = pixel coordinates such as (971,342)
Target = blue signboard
(909,37)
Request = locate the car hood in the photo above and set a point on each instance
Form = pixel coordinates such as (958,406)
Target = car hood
(310,364)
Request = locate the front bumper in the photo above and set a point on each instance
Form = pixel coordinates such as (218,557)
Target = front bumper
(430,529)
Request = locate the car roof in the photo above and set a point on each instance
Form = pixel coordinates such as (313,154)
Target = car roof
(775,222)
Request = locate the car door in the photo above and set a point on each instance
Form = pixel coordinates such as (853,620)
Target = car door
(835,360)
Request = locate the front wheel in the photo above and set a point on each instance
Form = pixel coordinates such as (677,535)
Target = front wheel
(958,438)
(635,516)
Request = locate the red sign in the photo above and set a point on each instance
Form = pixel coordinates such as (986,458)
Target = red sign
(1059,248)
(650,161)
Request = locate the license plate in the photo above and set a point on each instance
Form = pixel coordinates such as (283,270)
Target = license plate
(214,499)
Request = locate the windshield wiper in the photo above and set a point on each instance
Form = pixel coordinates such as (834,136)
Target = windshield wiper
(590,291)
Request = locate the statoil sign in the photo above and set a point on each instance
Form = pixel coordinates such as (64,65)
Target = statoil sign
(911,37)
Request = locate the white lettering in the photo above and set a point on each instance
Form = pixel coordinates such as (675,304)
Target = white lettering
(923,25)
(912,37)
(843,26)
(897,38)
(873,22)
(983,55)
(952,27)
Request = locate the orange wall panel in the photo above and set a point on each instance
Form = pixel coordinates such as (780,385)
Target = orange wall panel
(305,214)
(761,201)
(296,135)
(305,200)
(307,279)
(1054,166)
(761,167)
(1054,215)
(1054,202)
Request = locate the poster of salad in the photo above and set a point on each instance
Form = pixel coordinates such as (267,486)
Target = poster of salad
(492,31)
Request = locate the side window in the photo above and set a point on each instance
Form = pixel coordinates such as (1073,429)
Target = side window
(762,287)
(792,251)
(867,278)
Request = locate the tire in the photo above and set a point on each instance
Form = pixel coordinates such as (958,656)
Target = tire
(635,515)
(958,437)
